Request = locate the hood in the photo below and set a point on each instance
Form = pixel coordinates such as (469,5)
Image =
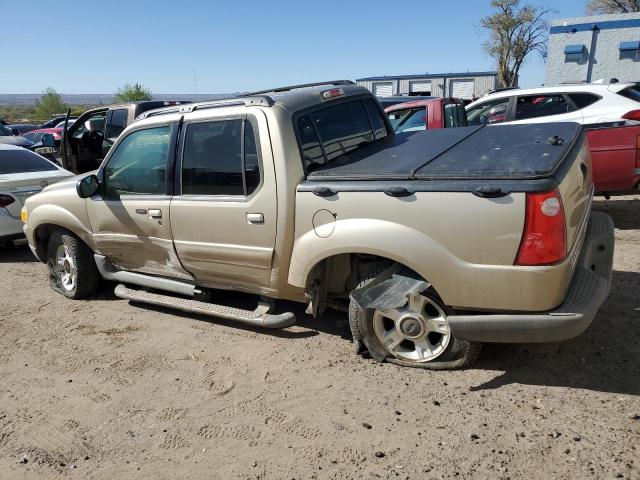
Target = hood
(16,140)
(68,182)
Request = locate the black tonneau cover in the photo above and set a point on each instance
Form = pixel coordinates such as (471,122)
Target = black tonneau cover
(509,152)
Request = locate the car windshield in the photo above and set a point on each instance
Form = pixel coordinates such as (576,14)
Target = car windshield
(5,132)
(23,161)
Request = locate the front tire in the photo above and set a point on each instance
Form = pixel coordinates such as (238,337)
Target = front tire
(72,269)
(415,335)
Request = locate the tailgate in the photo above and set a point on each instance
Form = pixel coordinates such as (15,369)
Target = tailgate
(576,189)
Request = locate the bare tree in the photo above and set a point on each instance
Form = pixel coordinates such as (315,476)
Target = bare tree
(515,33)
(612,6)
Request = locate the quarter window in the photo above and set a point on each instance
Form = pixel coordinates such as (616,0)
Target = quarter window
(117,123)
(540,106)
(583,99)
(213,162)
(494,111)
(138,165)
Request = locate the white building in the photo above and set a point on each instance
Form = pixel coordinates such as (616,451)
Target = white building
(599,47)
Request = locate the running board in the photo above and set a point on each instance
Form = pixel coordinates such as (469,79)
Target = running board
(260,317)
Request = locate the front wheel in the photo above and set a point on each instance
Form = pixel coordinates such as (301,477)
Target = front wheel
(72,269)
(415,335)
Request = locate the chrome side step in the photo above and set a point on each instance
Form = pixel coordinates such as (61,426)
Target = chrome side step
(260,317)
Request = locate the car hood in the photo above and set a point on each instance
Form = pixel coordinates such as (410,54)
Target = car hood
(16,140)
(69,183)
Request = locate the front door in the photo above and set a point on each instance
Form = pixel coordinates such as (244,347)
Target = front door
(224,217)
(130,217)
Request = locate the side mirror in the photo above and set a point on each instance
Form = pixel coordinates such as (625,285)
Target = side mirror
(15,131)
(48,140)
(87,186)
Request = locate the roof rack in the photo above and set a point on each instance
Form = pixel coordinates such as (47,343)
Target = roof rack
(302,85)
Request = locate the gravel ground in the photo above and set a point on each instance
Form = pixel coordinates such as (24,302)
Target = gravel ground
(108,389)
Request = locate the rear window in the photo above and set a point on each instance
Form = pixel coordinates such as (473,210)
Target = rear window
(23,161)
(333,131)
(454,115)
(631,92)
(583,99)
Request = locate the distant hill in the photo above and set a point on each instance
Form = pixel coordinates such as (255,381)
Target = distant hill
(28,99)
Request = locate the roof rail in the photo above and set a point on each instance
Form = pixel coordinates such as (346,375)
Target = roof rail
(302,85)
(263,101)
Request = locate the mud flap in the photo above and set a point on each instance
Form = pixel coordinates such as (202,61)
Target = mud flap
(390,289)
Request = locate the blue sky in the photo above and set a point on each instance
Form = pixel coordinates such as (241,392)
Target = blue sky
(200,46)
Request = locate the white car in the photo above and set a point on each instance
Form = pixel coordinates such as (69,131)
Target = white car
(588,104)
(22,173)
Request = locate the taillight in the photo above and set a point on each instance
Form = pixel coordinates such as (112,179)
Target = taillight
(632,115)
(6,200)
(544,239)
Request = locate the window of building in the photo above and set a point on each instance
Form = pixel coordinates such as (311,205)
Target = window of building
(574,53)
(138,165)
(629,50)
(540,106)
(212,160)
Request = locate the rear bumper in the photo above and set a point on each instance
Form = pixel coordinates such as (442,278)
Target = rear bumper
(10,227)
(588,290)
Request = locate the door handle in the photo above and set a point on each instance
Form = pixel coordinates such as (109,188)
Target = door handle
(155,213)
(255,218)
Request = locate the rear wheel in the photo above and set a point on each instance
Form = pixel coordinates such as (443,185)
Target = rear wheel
(72,269)
(415,335)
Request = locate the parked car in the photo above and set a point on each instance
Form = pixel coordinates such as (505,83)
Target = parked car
(20,128)
(90,136)
(22,174)
(7,137)
(592,105)
(389,101)
(36,135)
(427,114)
(57,122)
(433,241)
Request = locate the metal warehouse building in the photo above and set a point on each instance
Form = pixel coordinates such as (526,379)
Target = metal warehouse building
(587,49)
(461,85)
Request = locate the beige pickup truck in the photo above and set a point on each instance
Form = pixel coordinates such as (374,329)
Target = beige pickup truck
(433,242)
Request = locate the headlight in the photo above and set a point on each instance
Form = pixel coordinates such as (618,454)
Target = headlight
(23,214)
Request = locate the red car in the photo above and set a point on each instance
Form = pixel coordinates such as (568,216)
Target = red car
(427,114)
(36,135)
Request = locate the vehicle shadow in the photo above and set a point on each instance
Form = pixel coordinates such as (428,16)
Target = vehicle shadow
(19,253)
(625,212)
(605,358)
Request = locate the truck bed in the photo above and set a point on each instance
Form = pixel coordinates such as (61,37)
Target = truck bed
(509,152)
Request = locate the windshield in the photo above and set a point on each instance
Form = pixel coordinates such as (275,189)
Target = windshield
(330,132)
(5,132)
(20,160)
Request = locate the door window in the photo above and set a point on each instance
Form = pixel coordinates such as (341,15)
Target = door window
(413,121)
(138,165)
(213,161)
(117,123)
(454,115)
(493,111)
(583,100)
(536,106)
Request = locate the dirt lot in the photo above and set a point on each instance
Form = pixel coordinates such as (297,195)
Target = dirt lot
(107,389)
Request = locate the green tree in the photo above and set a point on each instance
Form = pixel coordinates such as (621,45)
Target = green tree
(516,31)
(132,93)
(612,6)
(50,104)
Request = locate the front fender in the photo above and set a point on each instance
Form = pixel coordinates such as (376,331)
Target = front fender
(386,239)
(53,215)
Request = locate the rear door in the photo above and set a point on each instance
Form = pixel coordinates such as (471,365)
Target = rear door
(130,216)
(224,212)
